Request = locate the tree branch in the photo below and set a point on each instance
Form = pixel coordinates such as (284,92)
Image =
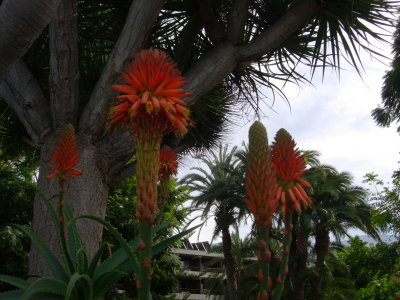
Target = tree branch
(63,77)
(296,16)
(237,20)
(23,94)
(215,31)
(137,28)
(115,149)
(21,22)
(188,36)
(210,71)
(219,62)
(120,173)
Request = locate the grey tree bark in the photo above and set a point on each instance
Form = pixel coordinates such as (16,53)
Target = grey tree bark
(21,22)
(86,194)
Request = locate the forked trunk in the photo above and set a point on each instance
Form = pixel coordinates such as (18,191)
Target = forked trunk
(229,263)
(86,194)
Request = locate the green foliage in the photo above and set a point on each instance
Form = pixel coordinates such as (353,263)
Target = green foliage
(75,277)
(14,140)
(165,280)
(389,112)
(121,205)
(17,193)
(16,200)
(121,214)
(14,247)
(383,288)
(366,263)
(386,200)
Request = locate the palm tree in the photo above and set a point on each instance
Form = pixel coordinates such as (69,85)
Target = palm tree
(219,194)
(246,267)
(337,207)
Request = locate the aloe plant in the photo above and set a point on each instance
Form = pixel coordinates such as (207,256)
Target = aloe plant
(85,279)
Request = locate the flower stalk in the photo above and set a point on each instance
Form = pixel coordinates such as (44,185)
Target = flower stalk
(150,106)
(273,178)
(283,267)
(63,160)
(289,166)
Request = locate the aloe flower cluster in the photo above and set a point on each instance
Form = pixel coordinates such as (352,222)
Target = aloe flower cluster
(273,179)
(150,105)
(168,168)
(261,189)
(168,164)
(63,161)
(289,166)
(65,156)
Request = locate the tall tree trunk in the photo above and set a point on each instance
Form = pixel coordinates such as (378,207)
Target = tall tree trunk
(321,250)
(86,194)
(229,263)
(299,257)
(300,267)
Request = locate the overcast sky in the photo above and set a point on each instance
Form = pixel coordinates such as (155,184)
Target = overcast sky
(332,116)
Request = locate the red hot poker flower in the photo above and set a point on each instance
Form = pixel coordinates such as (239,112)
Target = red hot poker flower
(153,91)
(260,183)
(168,164)
(65,156)
(289,167)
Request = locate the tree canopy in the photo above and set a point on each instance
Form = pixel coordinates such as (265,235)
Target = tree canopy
(389,112)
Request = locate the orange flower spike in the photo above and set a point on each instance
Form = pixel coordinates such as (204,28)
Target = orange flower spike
(168,163)
(260,181)
(289,166)
(65,156)
(153,87)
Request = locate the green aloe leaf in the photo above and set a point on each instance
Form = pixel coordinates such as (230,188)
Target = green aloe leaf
(105,282)
(46,286)
(117,262)
(11,295)
(52,213)
(54,265)
(124,245)
(159,227)
(74,242)
(17,282)
(85,285)
(83,264)
(164,244)
(96,259)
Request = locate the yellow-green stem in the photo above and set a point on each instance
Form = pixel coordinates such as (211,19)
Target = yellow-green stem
(285,258)
(63,237)
(147,154)
(264,258)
